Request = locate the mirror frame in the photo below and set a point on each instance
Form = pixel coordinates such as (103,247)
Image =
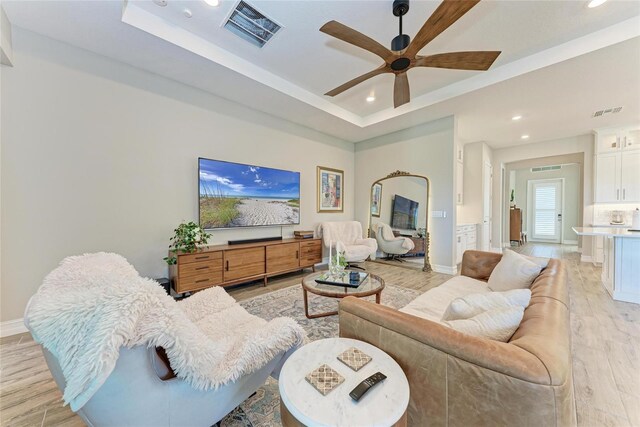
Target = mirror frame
(399,174)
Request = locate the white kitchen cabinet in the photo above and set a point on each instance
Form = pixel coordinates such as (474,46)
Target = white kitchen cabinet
(630,176)
(617,166)
(459,183)
(466,239)
(608,266)
(607,178)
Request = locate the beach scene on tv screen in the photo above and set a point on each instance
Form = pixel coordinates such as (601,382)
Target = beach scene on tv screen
(237,195)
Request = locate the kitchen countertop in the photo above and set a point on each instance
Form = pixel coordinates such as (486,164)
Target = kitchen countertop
(606,232)
(611,225)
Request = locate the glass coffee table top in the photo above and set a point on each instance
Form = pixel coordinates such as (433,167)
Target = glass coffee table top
(371,285)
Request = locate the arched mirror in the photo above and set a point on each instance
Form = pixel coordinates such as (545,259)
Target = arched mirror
(398,219)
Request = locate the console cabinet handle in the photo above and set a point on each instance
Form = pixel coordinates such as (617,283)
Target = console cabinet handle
(206,267)
(227,266)
(202,257)
(202,280)
(297,254)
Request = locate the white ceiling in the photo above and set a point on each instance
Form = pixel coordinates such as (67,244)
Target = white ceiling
(561,61)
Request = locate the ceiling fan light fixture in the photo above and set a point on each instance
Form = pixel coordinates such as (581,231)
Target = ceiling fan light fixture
(212,3)
(524,137)
(595,3)
(516,118)
(371,98)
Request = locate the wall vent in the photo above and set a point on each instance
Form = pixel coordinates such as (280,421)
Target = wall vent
(604,111)
(246,22)
(546,168)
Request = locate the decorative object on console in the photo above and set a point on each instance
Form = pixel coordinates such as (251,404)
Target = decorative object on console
(186,239)
(303,234)
(330,190)
(240,195)
(376,199)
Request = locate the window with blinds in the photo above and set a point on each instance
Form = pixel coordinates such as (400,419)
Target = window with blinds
(545,209)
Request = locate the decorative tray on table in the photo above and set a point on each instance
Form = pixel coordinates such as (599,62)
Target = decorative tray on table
(342,279)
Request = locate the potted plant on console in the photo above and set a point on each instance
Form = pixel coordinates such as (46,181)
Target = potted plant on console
(186,238)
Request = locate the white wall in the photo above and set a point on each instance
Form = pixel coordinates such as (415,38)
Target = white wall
(427,150)
(99,156)
(582,144)
(572,212)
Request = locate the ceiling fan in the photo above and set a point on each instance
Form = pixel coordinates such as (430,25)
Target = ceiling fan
(403,54)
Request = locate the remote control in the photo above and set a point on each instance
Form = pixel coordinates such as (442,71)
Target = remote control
(360,390)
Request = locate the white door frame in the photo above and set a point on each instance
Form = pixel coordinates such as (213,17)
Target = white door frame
(530,183)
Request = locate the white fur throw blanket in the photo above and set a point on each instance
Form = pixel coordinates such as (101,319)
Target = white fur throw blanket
(92,305)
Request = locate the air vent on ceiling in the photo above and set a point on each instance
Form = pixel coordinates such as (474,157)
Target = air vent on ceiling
(546,168)
(602,112)
(246,22)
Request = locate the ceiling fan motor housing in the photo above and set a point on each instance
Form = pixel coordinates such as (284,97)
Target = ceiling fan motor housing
(401,41)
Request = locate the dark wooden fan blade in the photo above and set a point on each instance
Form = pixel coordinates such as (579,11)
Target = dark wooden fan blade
(351,36)
(400,90)
(479,60)
(446,14)
(351,83)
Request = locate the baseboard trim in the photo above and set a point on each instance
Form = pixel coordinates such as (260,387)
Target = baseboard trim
(496,250)
(586,258)
(12,327)
(445,269)
(569,242)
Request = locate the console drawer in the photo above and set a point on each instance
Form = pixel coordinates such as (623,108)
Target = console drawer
(201,281)
(199,257)
(200,268)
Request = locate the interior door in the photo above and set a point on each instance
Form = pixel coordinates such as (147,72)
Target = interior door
(546,210)
(487,177)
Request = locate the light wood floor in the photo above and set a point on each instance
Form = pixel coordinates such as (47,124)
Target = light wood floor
(605,336)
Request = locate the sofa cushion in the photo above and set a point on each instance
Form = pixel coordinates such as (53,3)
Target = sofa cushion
(473,304)
(513,272)
(432,304)
(498,324)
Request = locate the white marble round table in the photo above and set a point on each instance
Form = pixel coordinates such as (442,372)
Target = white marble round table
(383,405)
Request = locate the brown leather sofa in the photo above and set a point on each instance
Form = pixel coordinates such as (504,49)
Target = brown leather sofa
(460,380)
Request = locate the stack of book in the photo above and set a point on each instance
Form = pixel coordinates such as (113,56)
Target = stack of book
(303,234)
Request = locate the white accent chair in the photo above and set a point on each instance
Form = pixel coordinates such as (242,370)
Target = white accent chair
(390,244)
(347,236)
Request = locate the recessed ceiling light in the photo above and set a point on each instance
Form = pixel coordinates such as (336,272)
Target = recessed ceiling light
(161,3)
(516,118)
(212,3)
(595,3)
(524,137)
(187,13)
(371,98)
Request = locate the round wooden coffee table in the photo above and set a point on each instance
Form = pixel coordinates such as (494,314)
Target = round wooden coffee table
(372,285)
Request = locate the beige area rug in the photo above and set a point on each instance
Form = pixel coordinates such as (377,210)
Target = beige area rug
(263,409)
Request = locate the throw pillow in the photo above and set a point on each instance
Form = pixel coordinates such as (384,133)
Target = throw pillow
(498,325)
(473,304)
(513,272)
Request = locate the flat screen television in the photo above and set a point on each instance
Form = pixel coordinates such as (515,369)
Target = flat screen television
(239,195)
(404,213)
